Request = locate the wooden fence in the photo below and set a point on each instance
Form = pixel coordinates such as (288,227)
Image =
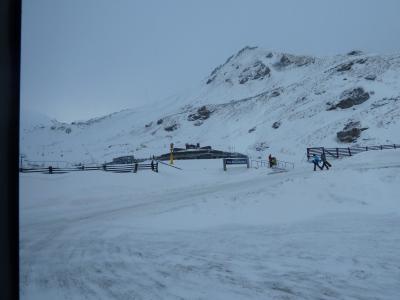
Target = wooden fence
(116,168)
(349,151)
(280,164)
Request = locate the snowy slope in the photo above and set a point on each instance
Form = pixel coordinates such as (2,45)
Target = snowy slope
(203,233)
(245,96)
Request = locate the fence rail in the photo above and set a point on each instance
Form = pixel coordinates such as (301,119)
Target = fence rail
(279,164)
(120,168)
(349,151)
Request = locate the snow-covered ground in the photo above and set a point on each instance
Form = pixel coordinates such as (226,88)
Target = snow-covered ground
(202,233)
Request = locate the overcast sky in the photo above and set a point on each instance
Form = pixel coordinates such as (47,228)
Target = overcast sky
(86,58)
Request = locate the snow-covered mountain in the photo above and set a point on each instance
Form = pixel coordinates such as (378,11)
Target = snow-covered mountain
(256,102)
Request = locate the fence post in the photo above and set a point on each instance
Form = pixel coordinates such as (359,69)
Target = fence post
(337,152)
(308,153)
(349,151)
(381,147)
(394,146)
(104,167)
(156,167)
(50,170)
(136,167)
(248,163)
(366,148)
(224,163)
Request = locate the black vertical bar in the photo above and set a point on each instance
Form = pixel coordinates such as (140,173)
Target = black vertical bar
(349,151)
(337,152)
(10,46)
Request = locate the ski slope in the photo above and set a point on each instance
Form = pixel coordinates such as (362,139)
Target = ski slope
(202,233)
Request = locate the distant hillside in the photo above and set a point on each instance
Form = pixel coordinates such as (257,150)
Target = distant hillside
(256,102)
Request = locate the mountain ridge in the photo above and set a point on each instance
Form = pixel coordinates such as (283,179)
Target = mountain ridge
(256,97)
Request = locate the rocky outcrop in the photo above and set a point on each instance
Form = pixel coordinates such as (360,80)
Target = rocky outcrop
(172,127)
(215,72)
(252,129)
(202,113)
(350,98)
(355,52)
(370,77)
(257,71)
(350,133)
(288,59)
(276,125)
(348,65)
(261,146)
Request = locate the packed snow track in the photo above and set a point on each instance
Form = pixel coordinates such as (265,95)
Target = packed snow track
(202,233)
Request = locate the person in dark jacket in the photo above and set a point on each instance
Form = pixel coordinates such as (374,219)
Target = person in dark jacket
(325,163)
(316,161)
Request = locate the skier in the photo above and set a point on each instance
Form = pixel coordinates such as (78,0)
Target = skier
(325,162)
(316,161)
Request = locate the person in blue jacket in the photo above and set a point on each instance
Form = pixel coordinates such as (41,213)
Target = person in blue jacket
(316,161)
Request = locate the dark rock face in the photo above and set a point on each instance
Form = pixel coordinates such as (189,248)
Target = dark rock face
(350,133)
(351,97)
(160,121)
(347,66)
(252,129)
(370,77)
(202,113)
(361,61)
(210,80)
(257,71)
(276,125)
(349,136)
(355,52)
(171,128)
(275,94)
(287,60)
(352,124)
